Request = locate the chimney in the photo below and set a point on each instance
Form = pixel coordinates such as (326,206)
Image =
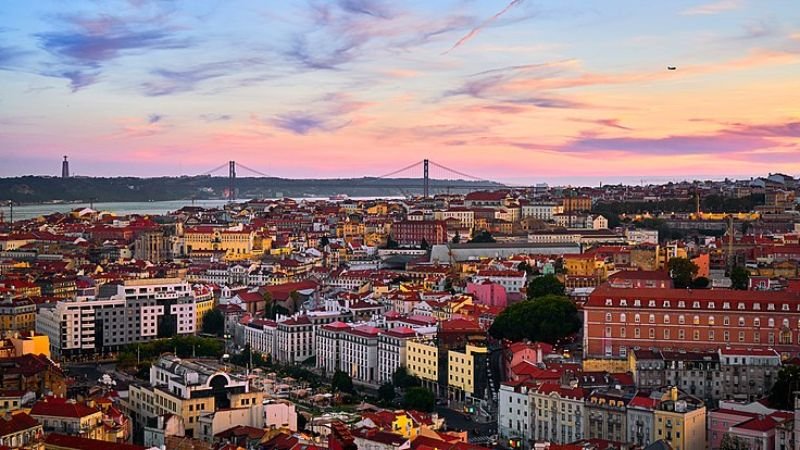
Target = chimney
(673,393)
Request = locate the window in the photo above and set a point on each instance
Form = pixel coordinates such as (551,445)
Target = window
(652,333)
(710,335)
(622,317)
(636,333)
(711,320)
(681,319)
(608,331)
(771,322)
(741,336)
(681,304)
(726,335)
(757,322)
(608,317)
(726,320)
(740,306)
(666,318)
(696,305)
(741,321)
(637,318)
(622,332)
(666,334)
(696,335)
(696,320)
(623,302)
(666,304)
(652,318)
(681,334)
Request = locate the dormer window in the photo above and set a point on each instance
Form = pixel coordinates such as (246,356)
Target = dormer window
(756,306)
(666,304)
(696,305)
(623,302)
(651,304)
(609,302)
(740,306)
(637,303)
(726,305)
(785,307)
(771,307)
(711,305)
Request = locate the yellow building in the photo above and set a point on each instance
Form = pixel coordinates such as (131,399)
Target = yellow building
(237,242)
(681,421)
(463,370)
(203,302)
(31,344)
(378,209)
(17,314)
(585,265)
(422,360)
(60,415)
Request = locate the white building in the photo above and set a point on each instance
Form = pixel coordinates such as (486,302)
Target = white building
(135,311)
(515,413)
(558,413)
(511,280)
(392,351)
(542,211)
(260,335)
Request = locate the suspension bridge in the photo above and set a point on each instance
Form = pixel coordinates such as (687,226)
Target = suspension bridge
(427,175)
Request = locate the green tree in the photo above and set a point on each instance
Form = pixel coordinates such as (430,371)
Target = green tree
(701,283)
(682,272)
(386,393)
(324,241)
(545,285)
(419,399)
(402,380)
(342,382)
(456,239)
(391,243)
(297,300)
(482,237)
(547,319)
(267,296)
(781,396)
(424,244)
(214,322)
(525,267)
(740,278)
(732,442)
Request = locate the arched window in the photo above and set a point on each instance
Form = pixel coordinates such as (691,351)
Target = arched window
(696,320)
(666,318)
(711,320)
(757,322)
(771,322)
(637,318)
(681,319)
(622,317)
(608,317)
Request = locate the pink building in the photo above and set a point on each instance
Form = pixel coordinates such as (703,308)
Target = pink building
(488,293)
(532,353)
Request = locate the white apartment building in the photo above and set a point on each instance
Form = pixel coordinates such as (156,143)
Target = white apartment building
(542,211)
(466,217)
(359,355)
(511,280)
(294,340)
(392,351)
(260,335)
(558,413)
(135,311)
(328,346)
(515,413)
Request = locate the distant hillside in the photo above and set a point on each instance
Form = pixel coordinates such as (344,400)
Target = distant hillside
(36,189)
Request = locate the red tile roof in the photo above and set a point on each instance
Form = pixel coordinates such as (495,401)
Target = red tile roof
(14,423)
(79,443)
(61,407)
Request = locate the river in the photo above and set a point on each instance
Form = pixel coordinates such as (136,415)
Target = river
(22,212)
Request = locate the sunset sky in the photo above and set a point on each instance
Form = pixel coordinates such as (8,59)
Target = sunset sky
(517,91)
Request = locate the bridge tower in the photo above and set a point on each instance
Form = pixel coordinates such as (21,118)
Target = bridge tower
(426,179)
(231,180)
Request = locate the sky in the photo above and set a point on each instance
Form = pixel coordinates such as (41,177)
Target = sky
(517,91)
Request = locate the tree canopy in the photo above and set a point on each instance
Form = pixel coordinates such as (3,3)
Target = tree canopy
(781,396)
(482,237)
(214,322)
(547,319)
(682,272)
(386,393)
(419,399)
(342,382)
(401,379)
(740,278)
(545,285)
